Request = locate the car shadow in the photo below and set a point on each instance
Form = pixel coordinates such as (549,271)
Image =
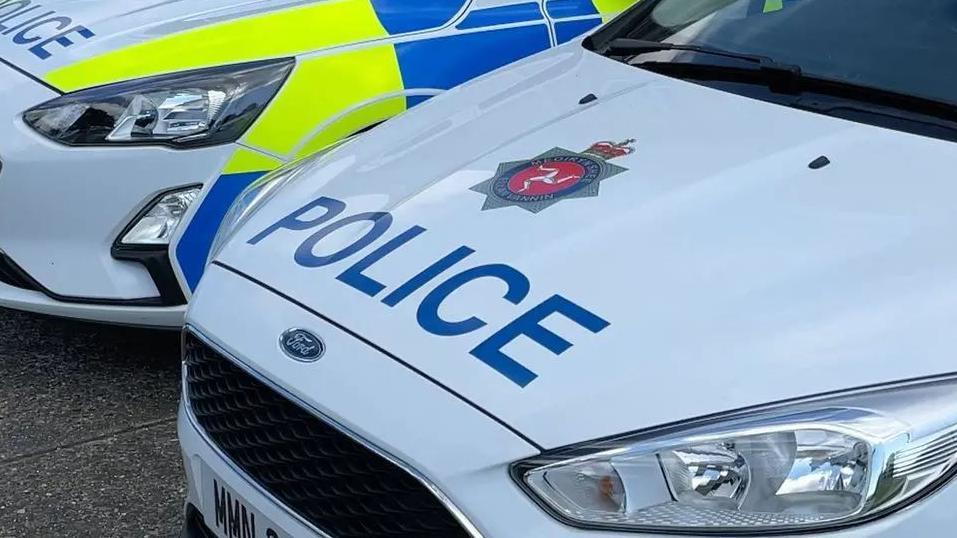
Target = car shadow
(25,334)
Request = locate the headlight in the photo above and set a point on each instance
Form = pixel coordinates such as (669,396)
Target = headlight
(823,463)
(195,108)
(156,225)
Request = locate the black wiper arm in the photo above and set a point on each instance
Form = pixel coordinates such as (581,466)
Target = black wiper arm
(781,74)
(624,46)
(791,80)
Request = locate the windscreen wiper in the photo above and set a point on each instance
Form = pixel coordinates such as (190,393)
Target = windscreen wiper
(776,76)
(625,46)
(780,76)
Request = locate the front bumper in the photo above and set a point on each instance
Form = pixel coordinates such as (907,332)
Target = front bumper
(462,452)
(170,317)
(62,208)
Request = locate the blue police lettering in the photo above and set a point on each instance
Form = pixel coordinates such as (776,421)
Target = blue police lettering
(62,39)
(427,275)
(529,325)
(21,22)
(22,38)
(30,24)
(354,277)
(428,314)
(517,284)
(14,8)
(333,208)
(380,224)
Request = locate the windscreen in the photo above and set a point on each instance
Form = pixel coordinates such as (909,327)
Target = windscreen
(905,46)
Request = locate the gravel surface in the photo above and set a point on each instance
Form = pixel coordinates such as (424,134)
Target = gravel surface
(87,430)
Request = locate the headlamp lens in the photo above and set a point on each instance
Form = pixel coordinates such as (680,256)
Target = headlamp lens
(804,466)
(157,225)
(196,108)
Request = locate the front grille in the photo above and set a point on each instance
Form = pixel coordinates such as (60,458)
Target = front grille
(329,479)
(12,275)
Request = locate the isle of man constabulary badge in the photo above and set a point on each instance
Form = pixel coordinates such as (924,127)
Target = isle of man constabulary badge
(535,185)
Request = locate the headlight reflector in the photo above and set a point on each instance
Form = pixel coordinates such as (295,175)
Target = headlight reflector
(195,108)
(156,226)
(818,464)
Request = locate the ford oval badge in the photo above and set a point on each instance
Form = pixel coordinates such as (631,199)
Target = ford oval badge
(302,345)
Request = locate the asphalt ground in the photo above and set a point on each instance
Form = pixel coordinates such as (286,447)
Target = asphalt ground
(87,430)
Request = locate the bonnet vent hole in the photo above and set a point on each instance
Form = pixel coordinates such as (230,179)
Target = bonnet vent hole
(819,163)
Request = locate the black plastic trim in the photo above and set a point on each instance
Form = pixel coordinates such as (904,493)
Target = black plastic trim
(12,274)
(160,267)
(155,258)
(194,526)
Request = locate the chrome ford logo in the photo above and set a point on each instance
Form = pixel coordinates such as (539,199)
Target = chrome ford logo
(302,345)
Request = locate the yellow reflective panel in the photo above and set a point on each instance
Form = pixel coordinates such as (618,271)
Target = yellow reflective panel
(271,35)
(610,9)
(247,160)
(352,123)
(323,87)
(773,5)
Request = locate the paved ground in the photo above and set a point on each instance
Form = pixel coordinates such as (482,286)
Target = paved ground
(87,430)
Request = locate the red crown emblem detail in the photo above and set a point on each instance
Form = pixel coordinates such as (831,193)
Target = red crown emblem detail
(610,150)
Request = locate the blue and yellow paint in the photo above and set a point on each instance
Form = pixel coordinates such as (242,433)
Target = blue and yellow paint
(344,59)
(759,7)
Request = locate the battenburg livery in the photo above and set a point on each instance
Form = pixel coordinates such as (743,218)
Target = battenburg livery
(128,128)
(693,276)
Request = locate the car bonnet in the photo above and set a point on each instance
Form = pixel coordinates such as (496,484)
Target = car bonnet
(76,44)
(584,248)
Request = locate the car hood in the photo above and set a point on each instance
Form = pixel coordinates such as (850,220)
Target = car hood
(30,29)
(730,272)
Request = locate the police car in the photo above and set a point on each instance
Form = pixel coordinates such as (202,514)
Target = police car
(690,276)
(127,128)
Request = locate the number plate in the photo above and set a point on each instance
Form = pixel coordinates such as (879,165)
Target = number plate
(229,515)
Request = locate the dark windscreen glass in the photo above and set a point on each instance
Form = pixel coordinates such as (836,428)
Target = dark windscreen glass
(905,46)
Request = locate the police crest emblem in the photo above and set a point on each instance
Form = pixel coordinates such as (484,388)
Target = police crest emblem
(539,183)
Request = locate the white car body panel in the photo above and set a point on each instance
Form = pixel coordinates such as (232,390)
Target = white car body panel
(67,247)
(65,244)
(731,273)
(694,249)
(46,226)
(416,423)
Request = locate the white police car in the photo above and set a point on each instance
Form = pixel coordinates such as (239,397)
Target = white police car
(128,128)
(692,276)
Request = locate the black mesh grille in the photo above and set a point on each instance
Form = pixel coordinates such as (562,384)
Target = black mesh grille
(334,482)
(12,275)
